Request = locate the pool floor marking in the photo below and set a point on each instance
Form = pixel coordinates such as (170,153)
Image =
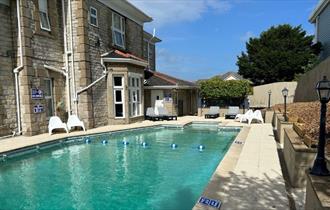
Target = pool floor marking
(210,202)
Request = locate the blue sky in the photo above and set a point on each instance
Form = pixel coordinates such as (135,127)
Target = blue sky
(202,38)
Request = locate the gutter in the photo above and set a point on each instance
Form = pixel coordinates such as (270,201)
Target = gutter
(125,60)
(17,70)
(170,87)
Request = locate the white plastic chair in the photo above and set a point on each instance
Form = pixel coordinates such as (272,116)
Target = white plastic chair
(244,117)
(74,121)
(256,116)
(56,123)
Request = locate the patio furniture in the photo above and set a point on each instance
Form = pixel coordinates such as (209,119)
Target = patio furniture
(232,112)
(256,116)
(244,117)
(150,115)
(166,115)
(56,123)
(158,104)
(74,121)
(213,112)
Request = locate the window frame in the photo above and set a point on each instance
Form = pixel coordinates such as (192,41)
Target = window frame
(45,12)
(49,97)
(121,89)
(91,15)
(121,31)
(133,94)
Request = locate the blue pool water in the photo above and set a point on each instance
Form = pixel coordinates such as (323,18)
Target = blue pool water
(115,176)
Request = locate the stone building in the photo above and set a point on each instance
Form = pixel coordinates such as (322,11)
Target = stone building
(62,57)
(320,17)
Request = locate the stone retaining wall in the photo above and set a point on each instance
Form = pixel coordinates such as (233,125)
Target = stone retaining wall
(298,157)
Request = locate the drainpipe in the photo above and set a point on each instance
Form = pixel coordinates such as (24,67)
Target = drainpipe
(105,73)
(17,70)
(56,70)
(66,60)
(72,60)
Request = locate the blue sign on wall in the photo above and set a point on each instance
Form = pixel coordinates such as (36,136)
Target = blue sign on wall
(37,93)
(38,108)
(210,202)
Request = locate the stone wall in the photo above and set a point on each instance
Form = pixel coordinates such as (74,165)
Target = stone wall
(40,47)
(298,157)
(134,38)
(7,85)
(100,42)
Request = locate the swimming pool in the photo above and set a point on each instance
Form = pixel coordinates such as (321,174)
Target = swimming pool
(117,176)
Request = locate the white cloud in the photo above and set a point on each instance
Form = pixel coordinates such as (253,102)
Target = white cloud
(247,36)
(174,11)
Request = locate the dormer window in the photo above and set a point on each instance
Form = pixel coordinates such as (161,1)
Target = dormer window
(43,13)
(93,16)
(118,30)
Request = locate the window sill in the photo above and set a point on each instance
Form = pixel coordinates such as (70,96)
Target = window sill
(118,47)
(119,118)
(136,116)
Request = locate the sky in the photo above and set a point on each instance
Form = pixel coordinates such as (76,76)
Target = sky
(202,38)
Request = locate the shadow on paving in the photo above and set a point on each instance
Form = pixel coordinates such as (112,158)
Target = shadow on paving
(242,191)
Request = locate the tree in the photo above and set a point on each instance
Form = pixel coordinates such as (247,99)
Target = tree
(278,54)
(216,88)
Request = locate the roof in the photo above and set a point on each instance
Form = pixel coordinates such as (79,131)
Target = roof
(127,9)
(318,9)
(118,56)
(231,73)
(160,79)
(148,36)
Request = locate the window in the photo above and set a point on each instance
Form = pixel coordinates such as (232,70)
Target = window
(118,30)
(118,89)
(134,96)
(93,16)
(43,13)
(48,93)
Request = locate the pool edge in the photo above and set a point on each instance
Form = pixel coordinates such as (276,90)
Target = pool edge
(227,165)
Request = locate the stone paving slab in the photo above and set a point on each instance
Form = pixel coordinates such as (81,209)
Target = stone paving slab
(255,182)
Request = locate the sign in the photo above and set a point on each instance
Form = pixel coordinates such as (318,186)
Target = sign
(37,93)
(210,202)
(38,108)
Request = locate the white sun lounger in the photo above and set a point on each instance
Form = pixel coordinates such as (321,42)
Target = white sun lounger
(244,117)
(74,121)
(56,123)
(256,116)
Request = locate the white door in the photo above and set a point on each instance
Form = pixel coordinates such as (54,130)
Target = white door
(156,95)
